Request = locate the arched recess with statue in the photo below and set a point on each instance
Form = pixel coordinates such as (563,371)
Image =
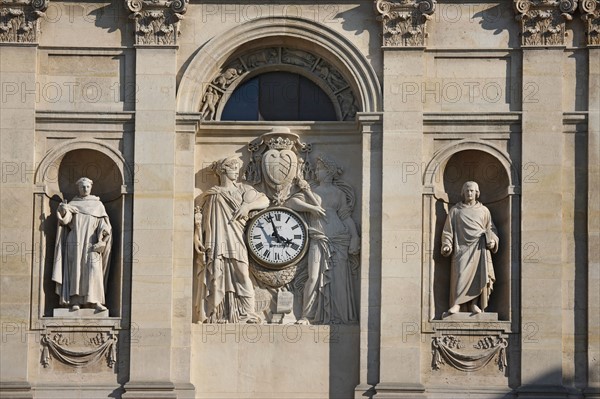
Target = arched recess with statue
(294,89)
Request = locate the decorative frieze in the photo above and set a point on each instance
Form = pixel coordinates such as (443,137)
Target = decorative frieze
(543,21)
(591,16)
(19,20)
(404,21)
(156,21)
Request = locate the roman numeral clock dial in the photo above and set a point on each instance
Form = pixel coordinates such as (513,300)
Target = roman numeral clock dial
(277,237)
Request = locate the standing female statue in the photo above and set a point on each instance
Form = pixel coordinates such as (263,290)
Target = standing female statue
(82,251)
(328,295)
(225,292)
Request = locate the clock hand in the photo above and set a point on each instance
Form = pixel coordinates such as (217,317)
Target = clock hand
(267,236)
(275,233)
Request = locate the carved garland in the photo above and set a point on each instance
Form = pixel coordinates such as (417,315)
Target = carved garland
(316,66)
(57,345)
(543,21)
(157,21)
(19,20)
(444,351)
(591,16)
(404,21)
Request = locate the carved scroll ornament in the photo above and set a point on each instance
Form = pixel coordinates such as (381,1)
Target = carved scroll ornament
(591,16)
(57,345)
(404,22)
(543,21)
(449,350)
(157,21)
(19,20)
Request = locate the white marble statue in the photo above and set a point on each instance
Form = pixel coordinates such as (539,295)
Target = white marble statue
(328,296)
(225,292)
(82,252)
(470,236)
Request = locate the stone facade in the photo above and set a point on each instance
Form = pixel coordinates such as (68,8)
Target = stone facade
(425,94)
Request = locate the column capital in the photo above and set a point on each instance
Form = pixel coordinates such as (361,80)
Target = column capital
(591,17)
(543,21)
(156,21)
(404,21)
(19,20)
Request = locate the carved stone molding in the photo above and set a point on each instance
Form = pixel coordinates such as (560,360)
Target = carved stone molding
(543,21)
(19,20)
(591,16)
(63,347)
(404,21)
(156,21)
(315,66)
(448,349)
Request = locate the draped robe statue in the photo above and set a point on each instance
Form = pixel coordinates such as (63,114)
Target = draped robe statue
(82,251)
(225,293)
(470,236)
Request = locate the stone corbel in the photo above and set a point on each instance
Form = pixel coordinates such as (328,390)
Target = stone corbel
(19,20)
(543,21)
(591,16)
(157,21)
(404,21)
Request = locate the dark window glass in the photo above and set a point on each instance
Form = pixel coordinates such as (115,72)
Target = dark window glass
(279,96)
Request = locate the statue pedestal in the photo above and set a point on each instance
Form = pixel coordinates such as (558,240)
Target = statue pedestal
(80,314)
(467,316)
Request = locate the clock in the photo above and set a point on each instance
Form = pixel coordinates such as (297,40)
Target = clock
(277,237)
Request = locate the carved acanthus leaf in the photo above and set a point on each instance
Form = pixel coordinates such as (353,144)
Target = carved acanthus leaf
(19,20)
(404,21)
(591,16)
(157,21)
(543,21)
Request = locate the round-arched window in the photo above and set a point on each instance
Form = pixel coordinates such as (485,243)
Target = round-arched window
(279,96)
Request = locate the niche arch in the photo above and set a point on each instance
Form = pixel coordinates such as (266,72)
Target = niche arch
(498,179)
(55,181)
(291,32)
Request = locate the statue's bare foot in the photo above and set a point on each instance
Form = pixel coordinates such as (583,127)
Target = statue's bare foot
(454,309)
(75,307)
(252,320)
(475,308)
(303,321)
(100,307)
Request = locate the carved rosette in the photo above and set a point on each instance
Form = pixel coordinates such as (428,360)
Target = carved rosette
(156,21)
(591,16)
(320,69)
(404,22)
(19,20)
(448,349)
(543,21)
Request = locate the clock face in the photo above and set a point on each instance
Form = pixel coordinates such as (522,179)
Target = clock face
(277,237)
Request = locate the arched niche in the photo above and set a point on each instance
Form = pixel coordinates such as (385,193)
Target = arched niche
(294,33)
(55,179)
(444,176)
